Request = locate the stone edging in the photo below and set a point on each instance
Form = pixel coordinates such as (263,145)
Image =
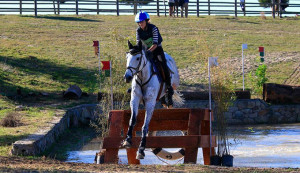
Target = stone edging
(38,142)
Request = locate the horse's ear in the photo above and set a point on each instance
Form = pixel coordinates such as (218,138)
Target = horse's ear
(140,45)
(130,45)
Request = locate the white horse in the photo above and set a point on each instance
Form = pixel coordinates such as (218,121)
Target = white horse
(146,87)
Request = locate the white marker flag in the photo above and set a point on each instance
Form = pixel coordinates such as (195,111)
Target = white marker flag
(245,46)
(213,61)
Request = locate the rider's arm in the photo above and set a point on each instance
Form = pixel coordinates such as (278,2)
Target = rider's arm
(153,47)
(155,39)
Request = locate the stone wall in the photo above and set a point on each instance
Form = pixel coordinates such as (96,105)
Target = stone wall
(38,142)
(254,111)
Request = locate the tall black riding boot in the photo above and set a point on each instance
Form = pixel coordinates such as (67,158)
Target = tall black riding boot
(170,90)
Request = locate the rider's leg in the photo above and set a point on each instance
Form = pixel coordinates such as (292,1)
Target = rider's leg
(159,52)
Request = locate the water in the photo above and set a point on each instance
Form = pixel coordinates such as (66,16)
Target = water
(276,146)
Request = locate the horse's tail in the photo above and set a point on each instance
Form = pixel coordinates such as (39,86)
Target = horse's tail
(178,99)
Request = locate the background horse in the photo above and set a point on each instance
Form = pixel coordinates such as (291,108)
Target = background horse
(145,87)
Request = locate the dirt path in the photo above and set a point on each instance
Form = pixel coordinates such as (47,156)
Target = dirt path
(234,64)
(20,164)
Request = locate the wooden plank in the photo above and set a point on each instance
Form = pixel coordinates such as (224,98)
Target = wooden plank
(163,125)
(115,119)
(161,114)
(131,156)
(162,141)
(193,129)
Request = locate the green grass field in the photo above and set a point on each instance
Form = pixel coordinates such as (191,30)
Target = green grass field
(49,53)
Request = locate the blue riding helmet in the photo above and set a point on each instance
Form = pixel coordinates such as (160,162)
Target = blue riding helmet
(141,16)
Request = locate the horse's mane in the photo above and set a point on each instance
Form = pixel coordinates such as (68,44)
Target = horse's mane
(135,50)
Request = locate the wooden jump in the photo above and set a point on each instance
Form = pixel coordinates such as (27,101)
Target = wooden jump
(194,121)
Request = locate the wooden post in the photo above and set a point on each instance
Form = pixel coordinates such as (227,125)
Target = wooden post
(76,7)
(193,129)
(205,126)
(118,8)
(175,119)
(98,7)
(131,152)
(208,7)
(197,8)
(35,8)
(157,6)
(235,8)
(20,7)
(115,127)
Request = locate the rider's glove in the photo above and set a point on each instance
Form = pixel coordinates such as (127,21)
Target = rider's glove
(149,54)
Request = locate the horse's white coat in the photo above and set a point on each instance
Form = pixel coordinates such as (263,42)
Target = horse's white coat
(139,71)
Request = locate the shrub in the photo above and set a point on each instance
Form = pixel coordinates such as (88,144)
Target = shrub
(12,119)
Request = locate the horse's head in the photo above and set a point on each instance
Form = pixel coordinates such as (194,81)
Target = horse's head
(135,61)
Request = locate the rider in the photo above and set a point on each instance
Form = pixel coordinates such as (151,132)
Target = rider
(150,36)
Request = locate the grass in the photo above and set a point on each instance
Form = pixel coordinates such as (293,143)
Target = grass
(49,53)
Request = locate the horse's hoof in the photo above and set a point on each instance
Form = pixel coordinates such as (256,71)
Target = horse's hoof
(170,106)
(126,144)
(140,156)
(164,105)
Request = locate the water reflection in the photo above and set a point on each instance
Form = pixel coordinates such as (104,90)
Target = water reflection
(252,146)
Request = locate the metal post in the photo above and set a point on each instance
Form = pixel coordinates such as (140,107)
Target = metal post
(35,8)
(111,88)
(243,69)
(157,4)
(209,95)
(208,7)
(235,8)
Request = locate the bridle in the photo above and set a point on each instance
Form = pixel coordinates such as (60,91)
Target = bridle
(138,70)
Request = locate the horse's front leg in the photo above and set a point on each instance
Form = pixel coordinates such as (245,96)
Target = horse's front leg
(134,105)
(150,101)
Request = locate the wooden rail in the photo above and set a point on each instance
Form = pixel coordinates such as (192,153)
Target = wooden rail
(116,7)
(194,121)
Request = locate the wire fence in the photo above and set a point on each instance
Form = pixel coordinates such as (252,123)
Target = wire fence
(154,7)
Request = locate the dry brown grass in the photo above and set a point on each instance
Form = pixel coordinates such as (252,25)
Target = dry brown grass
(12,119)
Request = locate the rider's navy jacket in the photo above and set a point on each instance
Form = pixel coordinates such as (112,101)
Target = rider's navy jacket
(150,36)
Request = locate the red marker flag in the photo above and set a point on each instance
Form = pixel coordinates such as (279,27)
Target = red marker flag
(261,49)
(96,43)
(106,65)
(96,46)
